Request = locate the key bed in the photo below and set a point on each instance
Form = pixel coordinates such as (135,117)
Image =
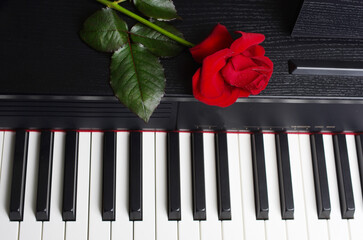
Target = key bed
(180,185)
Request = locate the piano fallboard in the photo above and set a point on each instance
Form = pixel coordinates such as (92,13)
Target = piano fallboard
(255,113)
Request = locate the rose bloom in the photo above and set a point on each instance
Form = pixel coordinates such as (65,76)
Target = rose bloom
(230,69)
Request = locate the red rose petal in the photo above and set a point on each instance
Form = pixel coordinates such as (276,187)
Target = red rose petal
(265,71)
(227,97)
(267,78)
(252,79)
(211,85)
(263,61)
(195,84)
(255,50)
(247,40)
(241,62)
(230,96)
(256,86)
(229,73)
(244,93)
(219,39)
(239,78)
(230,69)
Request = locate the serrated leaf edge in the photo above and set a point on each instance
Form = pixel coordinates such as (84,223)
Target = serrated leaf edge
(110,30)
(162,19)
(145,116)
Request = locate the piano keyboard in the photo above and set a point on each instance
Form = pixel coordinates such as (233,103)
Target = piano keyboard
(157,185)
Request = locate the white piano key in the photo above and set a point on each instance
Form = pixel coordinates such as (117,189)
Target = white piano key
(275,226)
(79,229)
(355,225)
(30,228)
(254,229)
(296,228)
(165,229)
(1,148)
(318,228)
(233,229)
(145,229)
(338,227)
(9,230)
(97,229)
(211,228)
(188,228)
(122,227)
(54,228)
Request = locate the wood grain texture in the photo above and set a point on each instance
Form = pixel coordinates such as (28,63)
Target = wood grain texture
(269,18)
(41,52)
(330,18)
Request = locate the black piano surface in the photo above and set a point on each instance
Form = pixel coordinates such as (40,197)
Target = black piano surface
(51,79)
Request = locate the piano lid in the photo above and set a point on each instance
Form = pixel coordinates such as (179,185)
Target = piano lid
(41,52)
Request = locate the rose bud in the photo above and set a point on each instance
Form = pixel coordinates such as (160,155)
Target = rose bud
(230,69)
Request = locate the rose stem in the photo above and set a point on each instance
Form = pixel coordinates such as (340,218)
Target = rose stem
(146,22)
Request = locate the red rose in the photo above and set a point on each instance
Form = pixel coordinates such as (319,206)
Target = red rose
(230,69)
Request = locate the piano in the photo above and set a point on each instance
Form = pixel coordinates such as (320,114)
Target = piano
(77,164)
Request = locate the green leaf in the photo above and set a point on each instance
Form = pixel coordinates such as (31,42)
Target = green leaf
(155,42)
(159,9)
(104,31)
(137,79)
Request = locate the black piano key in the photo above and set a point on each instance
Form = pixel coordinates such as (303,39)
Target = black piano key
(359,146)
(174,206)
(44,176)
(320,176)
(284,173)
(70,177)
(259,177)
(199,205)
(135,180)
(19,176)
(346,196)
(224,198)
(109,177)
